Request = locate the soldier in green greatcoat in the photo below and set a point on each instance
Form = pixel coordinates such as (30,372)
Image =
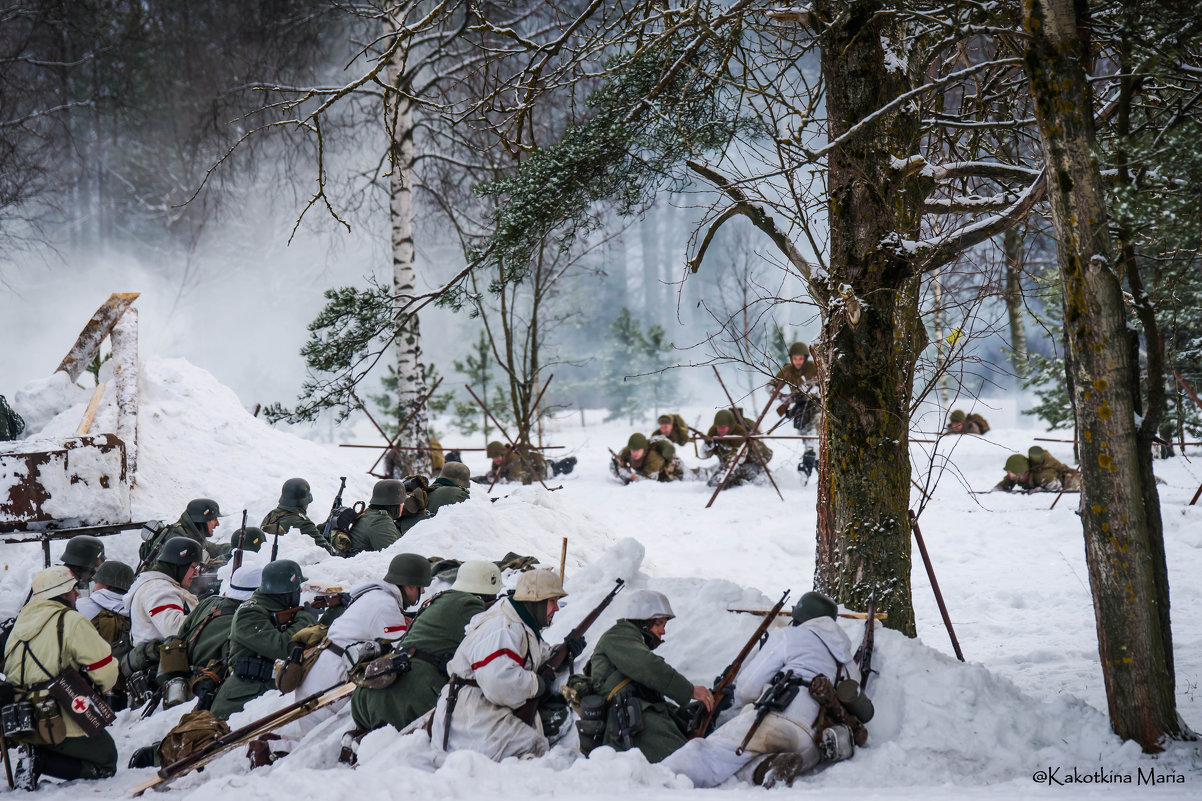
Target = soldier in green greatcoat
(295,497)
(206,632)
(376,529)
(623,669)
(261,633)
(431,641)
(197,523)
(452,486)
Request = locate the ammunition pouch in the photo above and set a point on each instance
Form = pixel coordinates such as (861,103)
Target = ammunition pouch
(290,672)
(254,668)
(591,726)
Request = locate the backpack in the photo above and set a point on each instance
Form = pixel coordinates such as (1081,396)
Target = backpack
(194,731)
(980,421)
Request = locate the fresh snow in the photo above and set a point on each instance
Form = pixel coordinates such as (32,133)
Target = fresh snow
(1012,570)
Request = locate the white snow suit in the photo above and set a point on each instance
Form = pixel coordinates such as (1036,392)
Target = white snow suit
(156,605)
(374,614)
(101,599)
(817,646)
(500,652)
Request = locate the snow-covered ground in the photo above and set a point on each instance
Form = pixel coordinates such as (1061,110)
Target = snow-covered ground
(1029,698)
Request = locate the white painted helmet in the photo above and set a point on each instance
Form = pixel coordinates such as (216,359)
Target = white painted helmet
(647,605)
(478,578)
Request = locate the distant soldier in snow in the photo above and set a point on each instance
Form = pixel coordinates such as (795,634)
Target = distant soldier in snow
(512,467)
(788,741)
(376,612)
(653,460)
(376,529)
(673,428)
(1043,473)
(292,513)
(960,423)
(794,383)
(624,671)
(197,523)
(453,485)
(724,439)
(496,670)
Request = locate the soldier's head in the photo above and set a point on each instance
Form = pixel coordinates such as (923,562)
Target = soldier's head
(724,421)
(281,580)
(457,473)
(638,446)
(243,583)
(538,592)
(813,605)
(56,582)
(250,540)
(1017,467)
(955,422)
(495,451)
(388,495)
(797,354)
(180,559)
(665,424)
(650,611)
(1035,456)
(83,556)
(296,493)
(115,576)
(204,513)
(479,578)
(411,574)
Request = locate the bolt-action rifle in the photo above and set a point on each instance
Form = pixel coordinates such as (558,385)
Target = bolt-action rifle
(700,724)
(328,528)
(237,559)
(624,471)
(561,653)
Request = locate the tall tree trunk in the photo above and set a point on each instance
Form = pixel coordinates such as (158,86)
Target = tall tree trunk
(871,329)
(411,379)
(1119,505)
(1012,250)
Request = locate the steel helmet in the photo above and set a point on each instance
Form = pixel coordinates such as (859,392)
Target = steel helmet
(478,577)
(180,551)
(457,473)
(539,585)
(202,510)
(409,570)
(812,605)
(252,541)
(389,492)
(296,492)
(117,575)
(647,605)
(282,577)
(83,552)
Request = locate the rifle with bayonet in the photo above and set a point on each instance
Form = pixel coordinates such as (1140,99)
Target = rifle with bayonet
(563,652)
(699,725)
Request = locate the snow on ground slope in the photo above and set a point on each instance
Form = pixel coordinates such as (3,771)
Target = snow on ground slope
(1012,570)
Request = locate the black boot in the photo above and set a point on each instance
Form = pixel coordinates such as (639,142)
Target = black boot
(145,757)
(26,774)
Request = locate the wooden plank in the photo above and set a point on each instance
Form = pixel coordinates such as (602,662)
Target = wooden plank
(87,345)
(90,413)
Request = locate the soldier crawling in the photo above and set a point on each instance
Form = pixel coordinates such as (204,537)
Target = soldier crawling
(653,460)
(724,440)
(960,423)
(1038,471)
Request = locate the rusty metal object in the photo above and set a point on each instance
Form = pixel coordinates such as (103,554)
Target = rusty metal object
(44,480)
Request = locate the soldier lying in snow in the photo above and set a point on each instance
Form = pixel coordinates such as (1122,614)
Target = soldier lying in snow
(655,460)
(1038,471)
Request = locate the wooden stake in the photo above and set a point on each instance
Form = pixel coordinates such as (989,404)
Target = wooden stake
(90,412)
(563,558)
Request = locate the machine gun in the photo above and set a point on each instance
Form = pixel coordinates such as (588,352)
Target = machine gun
(47,531)
(335,508)
(700,723)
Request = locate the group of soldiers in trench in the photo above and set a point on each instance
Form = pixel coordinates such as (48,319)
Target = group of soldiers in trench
(436,649)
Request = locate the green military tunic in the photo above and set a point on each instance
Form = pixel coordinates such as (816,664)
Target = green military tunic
(621,654)
(658,457)
(253,633)
(436,632)
(184,527)
(444,492)
(206,630)
(375,530)
(514,468)
(679,433)
(791,379)
(283,519)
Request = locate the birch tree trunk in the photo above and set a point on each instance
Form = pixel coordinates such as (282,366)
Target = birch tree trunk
(411,380)
(871,329)
(1119,506)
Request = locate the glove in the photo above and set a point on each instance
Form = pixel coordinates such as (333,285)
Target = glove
(728,700)
(575,645)
(546,678)
(310,635)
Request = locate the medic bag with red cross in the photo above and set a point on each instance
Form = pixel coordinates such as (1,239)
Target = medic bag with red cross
(80,702)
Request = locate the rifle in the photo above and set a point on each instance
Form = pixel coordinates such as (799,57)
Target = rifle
(561,653)
(700,723)
(48,530)
(241,542)
(250,731)
(864,654)
(328,528)
(619,465)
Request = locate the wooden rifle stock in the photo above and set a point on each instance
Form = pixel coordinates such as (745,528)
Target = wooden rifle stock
(864,655)
(728,676)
